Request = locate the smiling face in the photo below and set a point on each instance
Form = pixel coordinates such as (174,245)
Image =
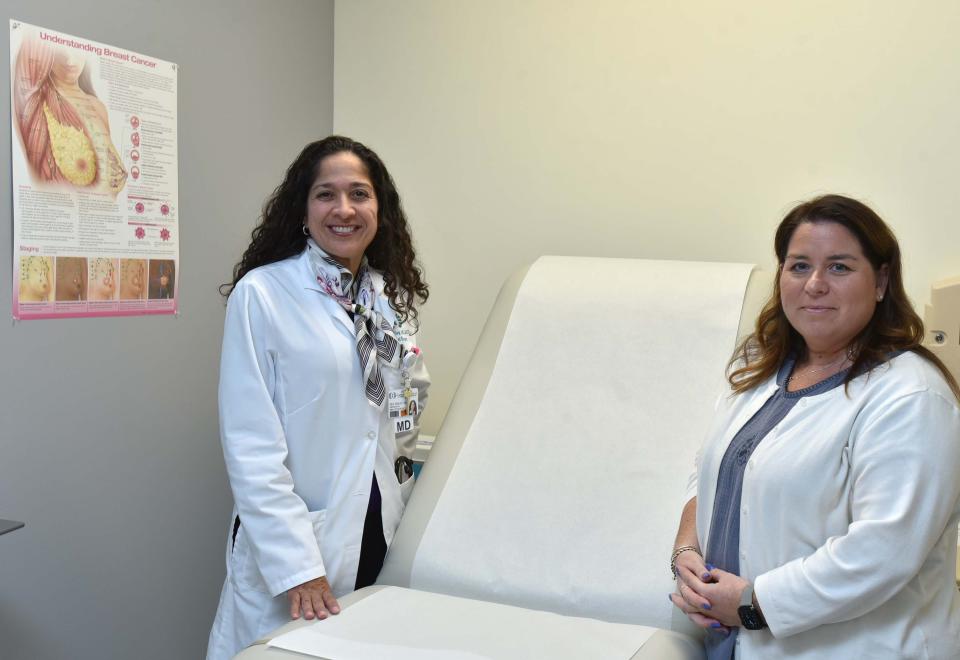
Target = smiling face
(828,288)
(342,209)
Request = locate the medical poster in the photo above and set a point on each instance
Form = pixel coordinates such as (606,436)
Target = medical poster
(96,223)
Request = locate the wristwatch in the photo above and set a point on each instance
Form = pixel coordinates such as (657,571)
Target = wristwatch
(750,616)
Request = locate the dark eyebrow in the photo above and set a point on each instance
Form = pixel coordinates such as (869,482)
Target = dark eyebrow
(353,185)
(832,257)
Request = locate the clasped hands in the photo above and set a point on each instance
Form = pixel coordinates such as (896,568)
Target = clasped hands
(707,595)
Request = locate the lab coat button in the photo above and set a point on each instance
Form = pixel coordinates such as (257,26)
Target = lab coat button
(743,510)
(371,435)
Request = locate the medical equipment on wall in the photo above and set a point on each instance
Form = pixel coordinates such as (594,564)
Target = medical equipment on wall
(941,320)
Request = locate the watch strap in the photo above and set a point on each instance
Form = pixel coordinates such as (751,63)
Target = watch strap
(750,616)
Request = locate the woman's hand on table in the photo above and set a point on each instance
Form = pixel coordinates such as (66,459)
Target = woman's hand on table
(314,599)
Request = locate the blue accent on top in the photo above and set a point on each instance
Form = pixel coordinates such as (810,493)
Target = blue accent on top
(723,546)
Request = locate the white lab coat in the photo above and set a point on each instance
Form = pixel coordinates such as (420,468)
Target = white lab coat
(848,521)
(301,444)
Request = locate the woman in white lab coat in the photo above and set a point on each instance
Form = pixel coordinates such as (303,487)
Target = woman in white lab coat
(822,519)
(319,359)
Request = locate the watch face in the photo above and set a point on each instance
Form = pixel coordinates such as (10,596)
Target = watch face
(750,618)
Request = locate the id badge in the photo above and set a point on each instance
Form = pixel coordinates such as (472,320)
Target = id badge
(403,403)
(403,406)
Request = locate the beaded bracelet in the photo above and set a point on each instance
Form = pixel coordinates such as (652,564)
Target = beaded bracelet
(676,553)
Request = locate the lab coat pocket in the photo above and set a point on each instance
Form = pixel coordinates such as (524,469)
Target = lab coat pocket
(318,519)
(336,558)
(301,406)
(243,564)
(405,489)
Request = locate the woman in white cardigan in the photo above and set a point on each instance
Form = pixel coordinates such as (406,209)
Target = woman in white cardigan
(822,519)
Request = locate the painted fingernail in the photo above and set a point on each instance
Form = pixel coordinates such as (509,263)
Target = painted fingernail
(716,624)
(706,576)
(670,597)
(706,606)
(710,567)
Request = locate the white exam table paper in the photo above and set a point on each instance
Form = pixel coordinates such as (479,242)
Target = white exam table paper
(567,491)
(404,624)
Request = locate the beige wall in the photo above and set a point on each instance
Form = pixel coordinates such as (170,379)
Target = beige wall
(645,129)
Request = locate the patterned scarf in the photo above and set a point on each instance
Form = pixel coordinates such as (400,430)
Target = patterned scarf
(375,338)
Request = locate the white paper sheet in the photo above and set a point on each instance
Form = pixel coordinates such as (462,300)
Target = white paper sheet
(403,624)
(568,488)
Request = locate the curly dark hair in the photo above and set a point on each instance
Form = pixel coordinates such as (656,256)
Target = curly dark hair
(894,326)
(279,234)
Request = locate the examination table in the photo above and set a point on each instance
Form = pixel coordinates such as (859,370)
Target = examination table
(557,479)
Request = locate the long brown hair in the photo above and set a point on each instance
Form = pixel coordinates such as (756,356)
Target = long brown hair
(894,326)
(279,234)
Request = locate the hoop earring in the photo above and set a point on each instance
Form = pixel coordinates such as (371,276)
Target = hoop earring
(306,232)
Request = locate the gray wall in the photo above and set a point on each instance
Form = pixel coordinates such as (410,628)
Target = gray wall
(109,447)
